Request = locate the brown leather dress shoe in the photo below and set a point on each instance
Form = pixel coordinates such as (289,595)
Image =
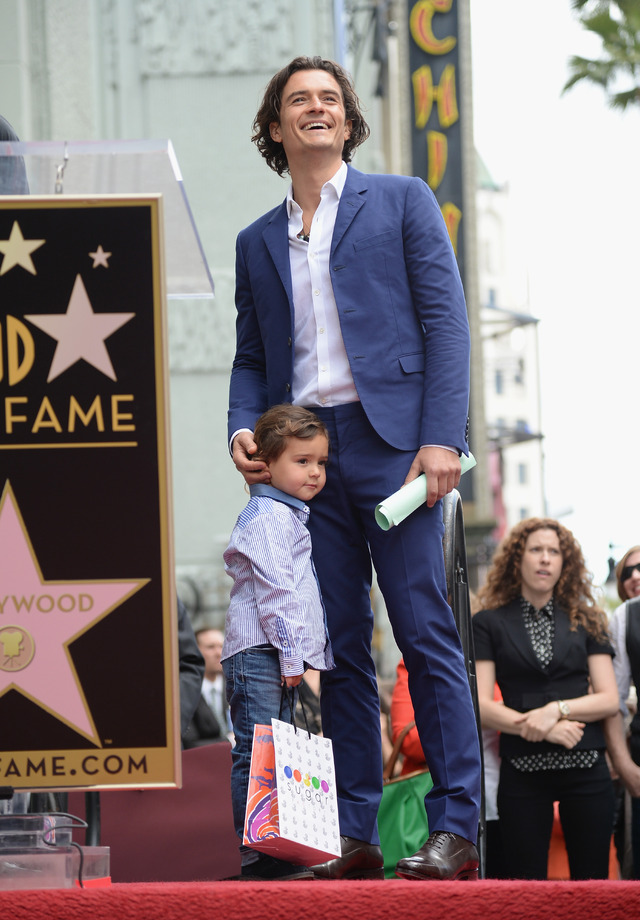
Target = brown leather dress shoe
(358,860)
(444,856)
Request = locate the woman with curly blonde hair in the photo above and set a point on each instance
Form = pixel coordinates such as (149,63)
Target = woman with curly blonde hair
(543,639)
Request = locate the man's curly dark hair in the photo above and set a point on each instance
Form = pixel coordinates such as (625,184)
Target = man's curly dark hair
(269,111)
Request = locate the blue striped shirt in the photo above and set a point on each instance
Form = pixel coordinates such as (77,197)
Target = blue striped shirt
(275,596)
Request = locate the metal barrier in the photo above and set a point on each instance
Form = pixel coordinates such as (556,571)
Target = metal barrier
(455,560)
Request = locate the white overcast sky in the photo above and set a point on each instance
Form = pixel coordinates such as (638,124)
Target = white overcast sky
(573,169)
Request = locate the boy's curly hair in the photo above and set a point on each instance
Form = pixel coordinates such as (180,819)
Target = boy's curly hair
(281,422)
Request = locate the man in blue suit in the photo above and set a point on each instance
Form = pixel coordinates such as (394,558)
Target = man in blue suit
(350,302)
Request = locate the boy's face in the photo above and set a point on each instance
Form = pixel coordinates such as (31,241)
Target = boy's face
(300,470)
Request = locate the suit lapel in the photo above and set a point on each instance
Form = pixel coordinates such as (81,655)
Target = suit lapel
(518,635)
(561,637)
(354,195)
(275,234)
(276,239)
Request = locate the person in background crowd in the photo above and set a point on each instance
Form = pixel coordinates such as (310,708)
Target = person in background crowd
(625,638)
(191,668)
(210,721)
(544,639)
(401,715)
(13,175)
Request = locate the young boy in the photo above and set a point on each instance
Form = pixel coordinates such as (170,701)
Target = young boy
(275,625)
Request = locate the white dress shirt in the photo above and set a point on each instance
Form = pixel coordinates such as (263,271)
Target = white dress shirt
(213,692)
(321,372)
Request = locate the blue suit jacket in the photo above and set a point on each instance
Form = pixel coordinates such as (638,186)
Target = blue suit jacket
(400,304)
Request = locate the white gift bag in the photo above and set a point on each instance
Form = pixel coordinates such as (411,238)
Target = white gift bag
(292,808)
(307,795)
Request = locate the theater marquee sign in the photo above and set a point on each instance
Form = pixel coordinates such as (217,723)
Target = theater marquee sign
(436,138)
(88,670)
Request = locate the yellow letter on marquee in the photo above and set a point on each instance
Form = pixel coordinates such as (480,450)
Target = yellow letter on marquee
(437,148)
(424,94)
(452,217)
(421,29)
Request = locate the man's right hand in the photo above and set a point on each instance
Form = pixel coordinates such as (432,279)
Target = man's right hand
(242,450)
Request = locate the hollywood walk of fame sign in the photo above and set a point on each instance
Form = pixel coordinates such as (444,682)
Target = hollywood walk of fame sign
(88,624)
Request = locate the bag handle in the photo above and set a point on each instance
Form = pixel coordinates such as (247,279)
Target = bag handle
(288,694)
(387,773)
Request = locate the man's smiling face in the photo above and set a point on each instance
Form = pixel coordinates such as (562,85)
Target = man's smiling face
(312,116)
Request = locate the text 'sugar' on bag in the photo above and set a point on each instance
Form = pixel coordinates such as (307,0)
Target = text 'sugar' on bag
(292,805)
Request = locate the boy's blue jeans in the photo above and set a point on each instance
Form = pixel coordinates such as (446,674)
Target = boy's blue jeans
(253,692)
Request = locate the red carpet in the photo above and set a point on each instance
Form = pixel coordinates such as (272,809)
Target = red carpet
(388,900)
(161,840)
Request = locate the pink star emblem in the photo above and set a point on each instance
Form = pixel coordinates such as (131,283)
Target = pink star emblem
(100,257)
(80,333)
(39,619)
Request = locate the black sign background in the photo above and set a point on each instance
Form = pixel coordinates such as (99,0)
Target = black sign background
(98,511)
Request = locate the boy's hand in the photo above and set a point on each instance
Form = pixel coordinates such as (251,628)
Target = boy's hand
(292,681)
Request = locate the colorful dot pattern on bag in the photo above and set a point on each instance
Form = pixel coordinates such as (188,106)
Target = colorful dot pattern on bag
(305,779)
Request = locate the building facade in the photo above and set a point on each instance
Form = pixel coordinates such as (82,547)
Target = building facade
(82,70)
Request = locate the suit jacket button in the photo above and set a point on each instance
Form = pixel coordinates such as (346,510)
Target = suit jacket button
(288,387)
(289,341)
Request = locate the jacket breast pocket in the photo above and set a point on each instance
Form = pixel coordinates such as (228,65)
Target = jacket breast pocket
(377,240)
(413,363)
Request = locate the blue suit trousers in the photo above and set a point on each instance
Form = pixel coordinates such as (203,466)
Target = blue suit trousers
(408,559)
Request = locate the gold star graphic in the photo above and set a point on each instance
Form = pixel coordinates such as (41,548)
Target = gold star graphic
(100,257)
(17,250)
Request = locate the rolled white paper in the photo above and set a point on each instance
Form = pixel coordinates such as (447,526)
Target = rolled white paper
(397,507)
